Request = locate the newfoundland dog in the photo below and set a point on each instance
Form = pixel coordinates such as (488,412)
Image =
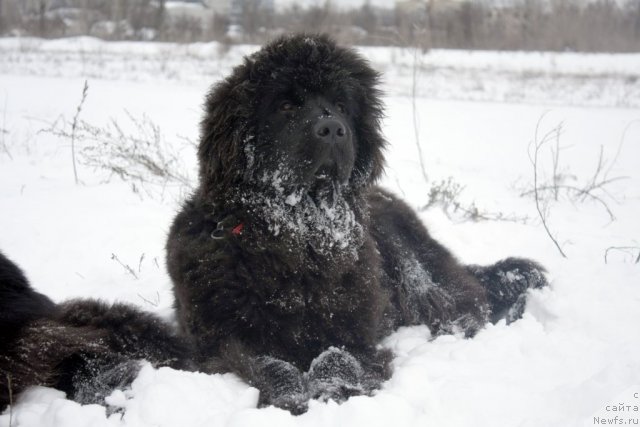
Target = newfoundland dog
(83,347)
(289,264)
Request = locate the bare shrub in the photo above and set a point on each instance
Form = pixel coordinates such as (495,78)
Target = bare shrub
(126,267)
(445,194)
(564,185)
(74,126)
(569,186)
(140,157)
(415,115)
(629,251)
(542,204)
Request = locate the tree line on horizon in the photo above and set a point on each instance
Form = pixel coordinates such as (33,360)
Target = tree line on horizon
(532,25)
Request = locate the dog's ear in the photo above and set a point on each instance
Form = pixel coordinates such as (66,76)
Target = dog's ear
(226,128)
(371,144)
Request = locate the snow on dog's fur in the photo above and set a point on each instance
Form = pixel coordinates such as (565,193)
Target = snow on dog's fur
(289,264)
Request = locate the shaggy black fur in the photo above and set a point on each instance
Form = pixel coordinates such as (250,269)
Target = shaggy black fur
(289,264)
(19,303)
(83,347)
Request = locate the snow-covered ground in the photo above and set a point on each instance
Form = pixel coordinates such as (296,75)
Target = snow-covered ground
(575,353)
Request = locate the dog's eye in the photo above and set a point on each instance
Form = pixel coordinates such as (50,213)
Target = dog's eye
(287,106)
(342,109)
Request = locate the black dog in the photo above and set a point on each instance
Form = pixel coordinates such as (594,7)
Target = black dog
(289,264)
(82,347)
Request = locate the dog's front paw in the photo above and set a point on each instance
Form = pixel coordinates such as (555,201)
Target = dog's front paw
(335,375)
(282,385)
(506,283)
(98,378)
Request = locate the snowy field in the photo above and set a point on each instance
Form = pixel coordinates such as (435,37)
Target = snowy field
(573,359)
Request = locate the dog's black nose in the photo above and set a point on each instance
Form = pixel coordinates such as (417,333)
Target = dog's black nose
(330,130)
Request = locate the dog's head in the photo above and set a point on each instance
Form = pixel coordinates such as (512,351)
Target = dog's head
(301,110)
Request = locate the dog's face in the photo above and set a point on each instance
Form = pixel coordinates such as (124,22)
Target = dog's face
(301,109)
(309,136)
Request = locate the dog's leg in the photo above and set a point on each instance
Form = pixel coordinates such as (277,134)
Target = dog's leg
(335,375)
(280,383)
(85,348)
(506,283)
(129,332)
